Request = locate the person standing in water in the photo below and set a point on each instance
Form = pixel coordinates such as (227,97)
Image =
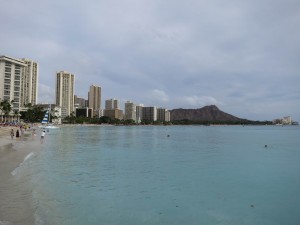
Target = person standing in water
(43,136)
(33,134)
(17,134)
(12,134)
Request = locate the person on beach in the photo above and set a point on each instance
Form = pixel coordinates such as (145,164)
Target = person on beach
(22,131)
(17,134)
(43,136)
(12,133)
(33,134)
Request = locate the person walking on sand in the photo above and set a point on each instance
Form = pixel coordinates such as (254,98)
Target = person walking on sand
(12,133)
(43,136)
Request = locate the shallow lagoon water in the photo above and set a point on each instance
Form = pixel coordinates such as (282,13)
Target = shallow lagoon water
(125,175)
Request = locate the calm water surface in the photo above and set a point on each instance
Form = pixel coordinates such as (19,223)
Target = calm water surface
(138,175)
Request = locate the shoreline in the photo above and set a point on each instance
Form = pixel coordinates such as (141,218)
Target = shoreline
(16,205)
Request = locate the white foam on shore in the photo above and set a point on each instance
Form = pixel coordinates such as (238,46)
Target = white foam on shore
(15,171)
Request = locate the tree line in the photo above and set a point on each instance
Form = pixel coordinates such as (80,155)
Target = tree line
(35,114)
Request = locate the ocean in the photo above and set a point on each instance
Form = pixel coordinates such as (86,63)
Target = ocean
(165,175)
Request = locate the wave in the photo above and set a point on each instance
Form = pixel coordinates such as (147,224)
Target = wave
(15,171)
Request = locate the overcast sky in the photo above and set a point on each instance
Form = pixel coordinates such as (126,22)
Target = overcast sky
(241,55)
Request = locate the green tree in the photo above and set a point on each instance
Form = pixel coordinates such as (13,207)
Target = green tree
(16,114)
(5,107)
(33,114)
(105,119)
(71,118)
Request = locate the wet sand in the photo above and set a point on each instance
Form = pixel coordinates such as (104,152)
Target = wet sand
(16,206)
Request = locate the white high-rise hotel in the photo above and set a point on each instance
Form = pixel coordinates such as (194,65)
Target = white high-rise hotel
(65,92)
(29,88)
(18,81)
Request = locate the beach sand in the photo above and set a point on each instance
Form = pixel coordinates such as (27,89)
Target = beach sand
(16,206)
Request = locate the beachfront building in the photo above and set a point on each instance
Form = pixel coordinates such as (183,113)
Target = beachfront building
(139,112)
(168,116)
(112,109)
(84,112)
(11,74)
(130,111)
(57,115)
(112,104)
(114,113)
(65,92)
(287,120)
(163,115)
(29,81)
(94,99)
(149,113)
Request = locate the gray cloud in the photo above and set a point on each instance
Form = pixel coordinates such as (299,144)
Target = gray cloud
(242,56)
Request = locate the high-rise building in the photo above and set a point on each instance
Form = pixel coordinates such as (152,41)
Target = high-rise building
(163,115)
(114,113)
(112,109)
(112,104)
(65,92)
(139,112)
(149,113)
(79,102)
(130,111)
(11,73)
(95,97)
(29,88)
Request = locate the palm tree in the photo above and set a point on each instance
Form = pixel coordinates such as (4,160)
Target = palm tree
(6,108)
(16,114)
(29,105)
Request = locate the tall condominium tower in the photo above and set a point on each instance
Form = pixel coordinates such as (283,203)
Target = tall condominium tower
(112,104)
(95,97)
(149,113)
(65,92)
(11,73)
(29,88)
(163,114)
(130,111)
(139,112)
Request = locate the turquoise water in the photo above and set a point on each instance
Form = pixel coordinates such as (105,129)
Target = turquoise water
(124,175)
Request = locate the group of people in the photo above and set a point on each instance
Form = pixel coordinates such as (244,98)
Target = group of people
(12,134)
(21,134)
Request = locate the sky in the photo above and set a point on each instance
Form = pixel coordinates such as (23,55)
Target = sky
(241,55)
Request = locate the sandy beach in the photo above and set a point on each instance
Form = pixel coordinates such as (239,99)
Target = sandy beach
(15,198)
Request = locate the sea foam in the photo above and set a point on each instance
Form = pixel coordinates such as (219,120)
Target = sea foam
(15,171)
